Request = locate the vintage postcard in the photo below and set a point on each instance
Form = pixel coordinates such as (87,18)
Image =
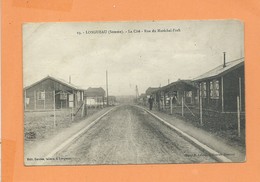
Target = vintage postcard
(151,92)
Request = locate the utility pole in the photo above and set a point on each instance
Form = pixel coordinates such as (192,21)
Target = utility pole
(224,63)
(107,86)
(136,92)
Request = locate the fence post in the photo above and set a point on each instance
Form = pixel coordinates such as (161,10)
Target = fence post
(72,113)
(240,93)
(171,104)
(238,116)
(83,110)
(54,111)
(25,100)
(164,100)
(67,95)
(96,102)
(44,100)
(35,100)
(163,103)
(182,107)
(201,122)
(86,104)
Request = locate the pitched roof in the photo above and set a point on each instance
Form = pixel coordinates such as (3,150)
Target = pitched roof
(220,70)
(61,81)
(187,82)
(92,92)
(150,90)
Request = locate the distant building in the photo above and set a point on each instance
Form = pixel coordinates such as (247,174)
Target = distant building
(177,90)
(142,99)
(51,92)
(111,100)
(185,89)
(220,87)
(150,90)
(95,97)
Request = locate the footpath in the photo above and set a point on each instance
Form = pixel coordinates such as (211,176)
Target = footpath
(38,152)
(216,143)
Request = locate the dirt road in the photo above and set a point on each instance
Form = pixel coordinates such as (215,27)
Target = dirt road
(129,135)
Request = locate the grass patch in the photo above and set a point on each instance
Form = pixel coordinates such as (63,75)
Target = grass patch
(223,125)
(39,125)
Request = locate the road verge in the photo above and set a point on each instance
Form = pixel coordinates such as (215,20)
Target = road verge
(212,153)
(74,137)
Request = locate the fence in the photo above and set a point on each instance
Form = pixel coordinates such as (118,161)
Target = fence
(210,119)
(46,112)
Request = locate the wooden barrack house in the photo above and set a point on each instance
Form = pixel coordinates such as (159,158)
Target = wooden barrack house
(111,100)
(95,97)
(179,89)
(51,92)
(220,87)
(150,90)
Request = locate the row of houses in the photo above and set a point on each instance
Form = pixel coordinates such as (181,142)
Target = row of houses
(217,90)
(50,92)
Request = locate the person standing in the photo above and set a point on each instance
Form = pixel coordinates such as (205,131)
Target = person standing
(150,100)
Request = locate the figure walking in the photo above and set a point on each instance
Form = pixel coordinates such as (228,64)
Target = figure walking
(151,102)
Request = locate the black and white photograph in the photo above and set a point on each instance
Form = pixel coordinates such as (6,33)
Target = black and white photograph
(134,92)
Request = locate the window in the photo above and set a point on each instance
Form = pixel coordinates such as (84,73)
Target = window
(214,89)
(211,89)
(41,95)
(188,94)
(203,89)
(63,96)
(188,97)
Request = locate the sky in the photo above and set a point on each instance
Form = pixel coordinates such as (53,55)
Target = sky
(131,55)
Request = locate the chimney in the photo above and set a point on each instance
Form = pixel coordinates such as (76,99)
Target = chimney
(224,64)
(70,79)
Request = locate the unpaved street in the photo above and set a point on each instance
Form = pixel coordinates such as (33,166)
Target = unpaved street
(129,135)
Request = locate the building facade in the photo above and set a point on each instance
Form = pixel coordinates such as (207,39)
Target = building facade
(176,92)
(49,93)
(221,88)
(95,97)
